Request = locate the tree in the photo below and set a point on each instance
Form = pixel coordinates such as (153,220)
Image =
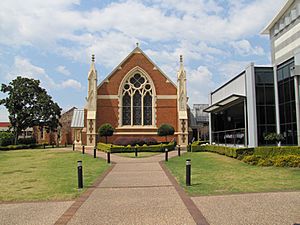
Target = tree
(165,130)
(29,105)
(106,130)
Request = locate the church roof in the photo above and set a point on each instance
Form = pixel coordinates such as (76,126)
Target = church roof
(136,50)
(78,119)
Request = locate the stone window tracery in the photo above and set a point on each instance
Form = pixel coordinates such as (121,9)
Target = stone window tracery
(137,96)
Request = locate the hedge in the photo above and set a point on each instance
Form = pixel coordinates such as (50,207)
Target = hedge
(144,148)
(17,147)
(223,150)
(280,161)
(6,138)
(271,151)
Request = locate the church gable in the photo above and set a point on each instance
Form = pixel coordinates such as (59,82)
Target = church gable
(137,61)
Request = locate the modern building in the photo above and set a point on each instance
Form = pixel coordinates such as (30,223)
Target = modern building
(242,111)
(135,98)
(284,33)
(198,121)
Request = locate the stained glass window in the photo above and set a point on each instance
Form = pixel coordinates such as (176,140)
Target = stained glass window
(126,109)
(137,101)
(137,116)
(147,109)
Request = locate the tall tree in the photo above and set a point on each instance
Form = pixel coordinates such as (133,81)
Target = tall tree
(29,105)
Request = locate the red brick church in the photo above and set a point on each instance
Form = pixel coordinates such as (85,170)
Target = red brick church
(135,98)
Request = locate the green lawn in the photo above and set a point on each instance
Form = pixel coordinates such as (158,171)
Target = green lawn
(28,175)
(214,174)
(140,154)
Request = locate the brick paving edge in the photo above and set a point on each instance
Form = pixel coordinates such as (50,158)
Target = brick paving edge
(188,202)
(70,212)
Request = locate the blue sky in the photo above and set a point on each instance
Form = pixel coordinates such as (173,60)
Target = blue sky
(52,40)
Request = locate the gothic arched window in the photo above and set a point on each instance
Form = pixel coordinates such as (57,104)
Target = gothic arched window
(137,101)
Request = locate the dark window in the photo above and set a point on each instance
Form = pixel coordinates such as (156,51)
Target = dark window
(126,109)
(137,117)
(287,104)
(147,109)
(265,103)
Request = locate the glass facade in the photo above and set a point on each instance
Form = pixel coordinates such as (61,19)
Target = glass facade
(287,104)
(265,103)
(228,125)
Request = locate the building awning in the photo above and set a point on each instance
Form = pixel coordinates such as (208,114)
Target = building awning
(224,102)
(78,119)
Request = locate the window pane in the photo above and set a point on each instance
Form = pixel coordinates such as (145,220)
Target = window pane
(148,109)
(270,114)
(137,118)
(126,110)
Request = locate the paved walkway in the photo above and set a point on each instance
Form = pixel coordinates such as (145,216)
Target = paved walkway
(136,191)
(279,208)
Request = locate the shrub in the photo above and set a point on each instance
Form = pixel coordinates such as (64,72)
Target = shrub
(251,159)
(270,151)
(106,130)
(124,141)
(6,138)
(17,147)
(287,161)
(280,161)
(223,150)
(26,141)
(164,130)
(151,148)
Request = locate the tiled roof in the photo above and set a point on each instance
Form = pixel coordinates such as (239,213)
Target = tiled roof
(78,119)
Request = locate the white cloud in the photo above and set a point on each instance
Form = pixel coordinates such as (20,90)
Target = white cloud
(231,69)
(3,114)
(70,83)
(23,67)
(63,70)
(200,84)
(244,48)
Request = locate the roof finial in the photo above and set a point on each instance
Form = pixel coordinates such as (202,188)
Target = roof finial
(137,44)
(93,58)
(181,60)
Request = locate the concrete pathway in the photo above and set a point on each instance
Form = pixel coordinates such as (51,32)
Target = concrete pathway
(136,191)
(33,213)
(280,208)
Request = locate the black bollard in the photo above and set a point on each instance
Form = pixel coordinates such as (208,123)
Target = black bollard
(52,145)
(95,152)
(108,157)
(178,148)
(188,172)
(136,152)
(65,144)
(44,145)
(82,149)
(79,172)
(166,154)
(73,147)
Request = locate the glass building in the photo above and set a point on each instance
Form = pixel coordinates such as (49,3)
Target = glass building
(284,33)
(242,111)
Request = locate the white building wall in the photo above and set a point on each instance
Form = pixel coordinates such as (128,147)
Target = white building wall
(251,106)
(236,86)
